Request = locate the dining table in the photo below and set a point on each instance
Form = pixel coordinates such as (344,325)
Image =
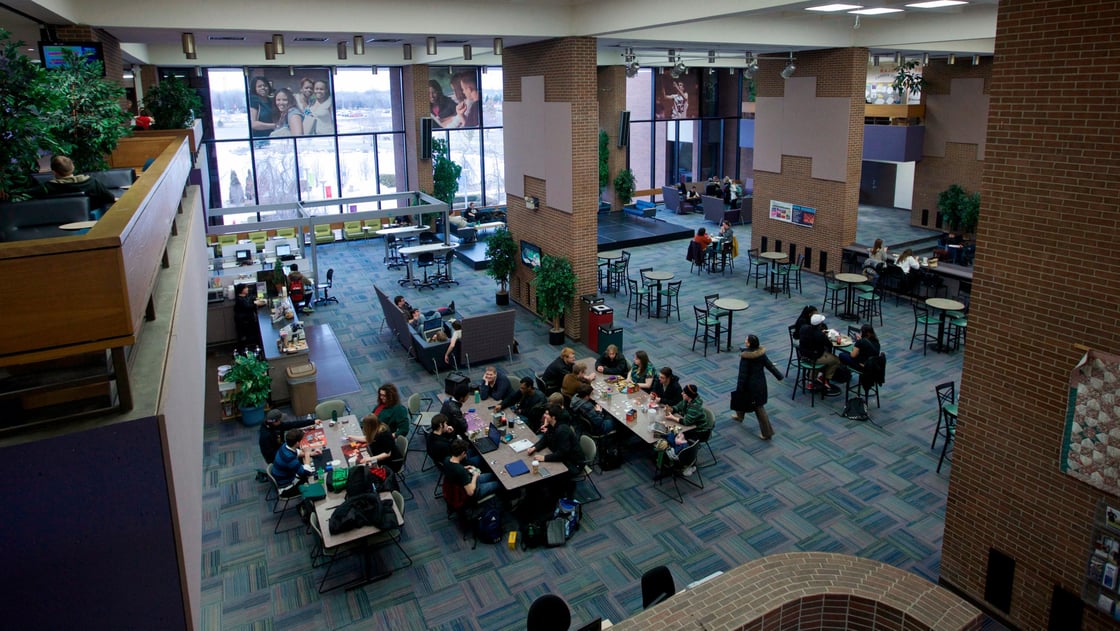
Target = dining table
(773,258)
(730,305)
(435,248)
(943,306)
(479,416)
(850,281)
(606,259)
(658,276)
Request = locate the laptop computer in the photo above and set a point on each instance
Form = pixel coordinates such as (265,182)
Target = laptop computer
(490,441)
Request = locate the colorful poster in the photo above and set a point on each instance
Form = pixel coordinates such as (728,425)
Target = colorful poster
(678,98)
(793,213)
(1089,450)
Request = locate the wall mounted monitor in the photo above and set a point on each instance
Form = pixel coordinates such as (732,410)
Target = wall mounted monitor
(53,54)
(530,255)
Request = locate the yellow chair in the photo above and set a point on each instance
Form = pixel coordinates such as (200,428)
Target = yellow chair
(227,239)
(286,233)
(353,230)
(323,233)
(259,238)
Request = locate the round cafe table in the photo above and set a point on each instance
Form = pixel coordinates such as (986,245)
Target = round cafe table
(774,258)
(605,260)
(730,305)
(942,305)
(78,225)
(850,280)
(658,277)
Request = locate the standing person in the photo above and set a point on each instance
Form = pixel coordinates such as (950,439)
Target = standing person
(289,119)
(320,113)
(391,411)
(612,362)
(262,119)
(456,335)
(245,317)
(750,387)
(299,290)
(642,371)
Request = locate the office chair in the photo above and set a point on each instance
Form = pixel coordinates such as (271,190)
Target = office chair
(326,287)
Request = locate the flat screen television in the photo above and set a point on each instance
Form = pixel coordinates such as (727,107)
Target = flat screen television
(53,56)
(244,256)
(530,255)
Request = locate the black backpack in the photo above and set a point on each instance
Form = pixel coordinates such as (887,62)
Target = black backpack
(855,409)
(488,526)
(610,458)
(536,534)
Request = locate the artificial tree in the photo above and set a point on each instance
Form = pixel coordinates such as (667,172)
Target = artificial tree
(555,284)
(26,124)
(501,251)
(907,80)
(445,173)
(173,104)
(91,120)
(624,186)
(958,208)
(604,161)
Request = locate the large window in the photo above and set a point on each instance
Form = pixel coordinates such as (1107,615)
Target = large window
(466,109)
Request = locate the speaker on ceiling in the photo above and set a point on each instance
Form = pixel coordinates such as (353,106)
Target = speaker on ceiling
(425,139)
(623,128)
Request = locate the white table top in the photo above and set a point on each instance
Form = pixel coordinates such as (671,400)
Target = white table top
(402,230)
(78,225)
(945,304)
(774,256)
(428,247)
(490,224)
(851,278)
(610,254)
(658,275)
(731,304)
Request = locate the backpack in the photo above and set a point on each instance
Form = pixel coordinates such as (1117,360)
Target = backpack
(571,511)
(338,481)
(536,534)
(843,374)
(455,496)
(488,526)
(855,409)
(610,458)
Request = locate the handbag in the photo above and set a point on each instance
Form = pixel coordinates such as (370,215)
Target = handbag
(742,401)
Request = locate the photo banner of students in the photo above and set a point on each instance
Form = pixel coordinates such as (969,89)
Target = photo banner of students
(454,97)
(678,98)
(283,105)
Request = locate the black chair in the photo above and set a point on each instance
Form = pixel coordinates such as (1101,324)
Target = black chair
(782,273)
(711,327)
(424,261)
(806,370)
(618,271)
(549,613)
(872,382)
(756,267)
(443,270)
(870,303)
(795,272)
(792,347)
(657,585)
(676,468)
(326,287)
(946,418)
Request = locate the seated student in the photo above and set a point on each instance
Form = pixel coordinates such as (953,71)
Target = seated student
(876,258)
(702,238)
(391,411)
(273,430)
(666,388)
(471,213)
(554,375)
(407,309)
(380,447)
(557,399)
(456,335)
(452,408)
(560,440)
(527,401)
(690,412)
(668,451)
(725,229)
(802,319)
(612,362)
(815,346)
(292,465)
(910,266)
(642,371)
(474,482)
(866,348)
(438,442)
(494,384)
(572,380)
(584,407)
(66,183)
(456,219)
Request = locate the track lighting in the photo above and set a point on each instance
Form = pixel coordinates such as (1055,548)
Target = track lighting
(788,71)
(359,45)
(632,69)
(188,46)
(278,43)
(678,69)
(342,50)
(467,53)
(407,52)
(672,55)
(976,60)
(925,59)
(499,46)
(432,49)
(711,56)
(269,51)
(952,59)
(291,71)
(751,67)
(898,59)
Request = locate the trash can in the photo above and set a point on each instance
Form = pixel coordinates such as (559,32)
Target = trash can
(586,331)
(302,388)
(609,335)
(599,317)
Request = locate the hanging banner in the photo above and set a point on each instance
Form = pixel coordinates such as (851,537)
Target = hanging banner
(1091,442)
(793,213)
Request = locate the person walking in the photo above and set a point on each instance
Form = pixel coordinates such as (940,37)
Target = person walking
(750,388)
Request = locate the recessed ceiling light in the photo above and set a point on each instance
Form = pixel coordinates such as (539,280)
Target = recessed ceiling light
(828,8)
(936,4)
(876,11)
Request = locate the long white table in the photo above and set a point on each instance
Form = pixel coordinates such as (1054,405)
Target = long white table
(399,232)
(435,248)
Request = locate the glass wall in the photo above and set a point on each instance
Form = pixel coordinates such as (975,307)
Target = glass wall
(279,135)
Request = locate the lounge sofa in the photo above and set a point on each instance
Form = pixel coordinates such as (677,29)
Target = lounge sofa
(41,218)
(674,202)
(715,210)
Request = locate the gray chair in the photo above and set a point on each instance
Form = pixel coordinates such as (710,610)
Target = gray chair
(420,418)
(590,452)
(325,409)
(397,464)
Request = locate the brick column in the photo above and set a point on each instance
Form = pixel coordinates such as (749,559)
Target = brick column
(415,91)
(956,100)
(552,148)
(1045,279)
(612,101)
(809,151)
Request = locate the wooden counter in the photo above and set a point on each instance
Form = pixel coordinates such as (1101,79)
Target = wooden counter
(278,362)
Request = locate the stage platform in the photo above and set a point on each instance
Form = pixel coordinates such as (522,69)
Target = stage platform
(617,230)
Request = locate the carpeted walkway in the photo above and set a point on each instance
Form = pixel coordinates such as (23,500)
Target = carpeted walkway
(823,483)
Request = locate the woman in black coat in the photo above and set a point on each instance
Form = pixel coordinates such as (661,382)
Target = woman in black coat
(750,388)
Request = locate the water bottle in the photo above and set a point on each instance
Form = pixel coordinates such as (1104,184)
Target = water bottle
(334,416)
(477,397)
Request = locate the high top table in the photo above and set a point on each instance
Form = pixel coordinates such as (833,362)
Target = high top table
(850,280)
(943,306)
(434,248)
(658,276)
(730,305)
(401,232)
(773,258)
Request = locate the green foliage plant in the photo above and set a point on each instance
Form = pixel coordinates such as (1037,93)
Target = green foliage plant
(959,209)
(26,110)
(556,288)
(604,160)
(91,120)
(501,249)
(445,173)
(624,186)
(254,385)
(907,80)
(172,103)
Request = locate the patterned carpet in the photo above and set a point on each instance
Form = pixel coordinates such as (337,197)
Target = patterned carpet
(823,483)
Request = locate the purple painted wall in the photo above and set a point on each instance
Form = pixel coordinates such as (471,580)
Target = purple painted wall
(893,143)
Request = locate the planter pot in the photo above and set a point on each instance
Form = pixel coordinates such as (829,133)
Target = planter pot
(556,338)
(252,417)
(501,298)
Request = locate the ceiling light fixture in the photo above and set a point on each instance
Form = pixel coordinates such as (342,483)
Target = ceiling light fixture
(936,4)
(278,43)
(678,70)
(373,69)
(751,67)
(976,60)
(875,11)
(432,49)
(342,50)
(291,71)
(406,50)
(198,71)
(874,60)
(788,71)
(499,46)
(359,45)
(832,8)
(952,59)
(188,46)
(672,55)
(269,51)
(711,56)
(632,68)
(467,53)
(897,58)
(925,59)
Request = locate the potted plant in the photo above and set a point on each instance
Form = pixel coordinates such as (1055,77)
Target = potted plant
(445,173)
(556,289)
(907,81)
(624,186)
(254,387)
(958,208)
(26,124)
(501,250)
(91,121)
(604,161)
(172,103)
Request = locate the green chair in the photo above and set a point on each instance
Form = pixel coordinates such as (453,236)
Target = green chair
(286,233)
(259,238)
(323,233)
(352,230)
(227,239)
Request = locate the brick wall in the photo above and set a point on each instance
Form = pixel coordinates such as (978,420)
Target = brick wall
(839,73)
(568,68)
(959,165)
(415,90)
(1045,279)
(612,100)
(111,47)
